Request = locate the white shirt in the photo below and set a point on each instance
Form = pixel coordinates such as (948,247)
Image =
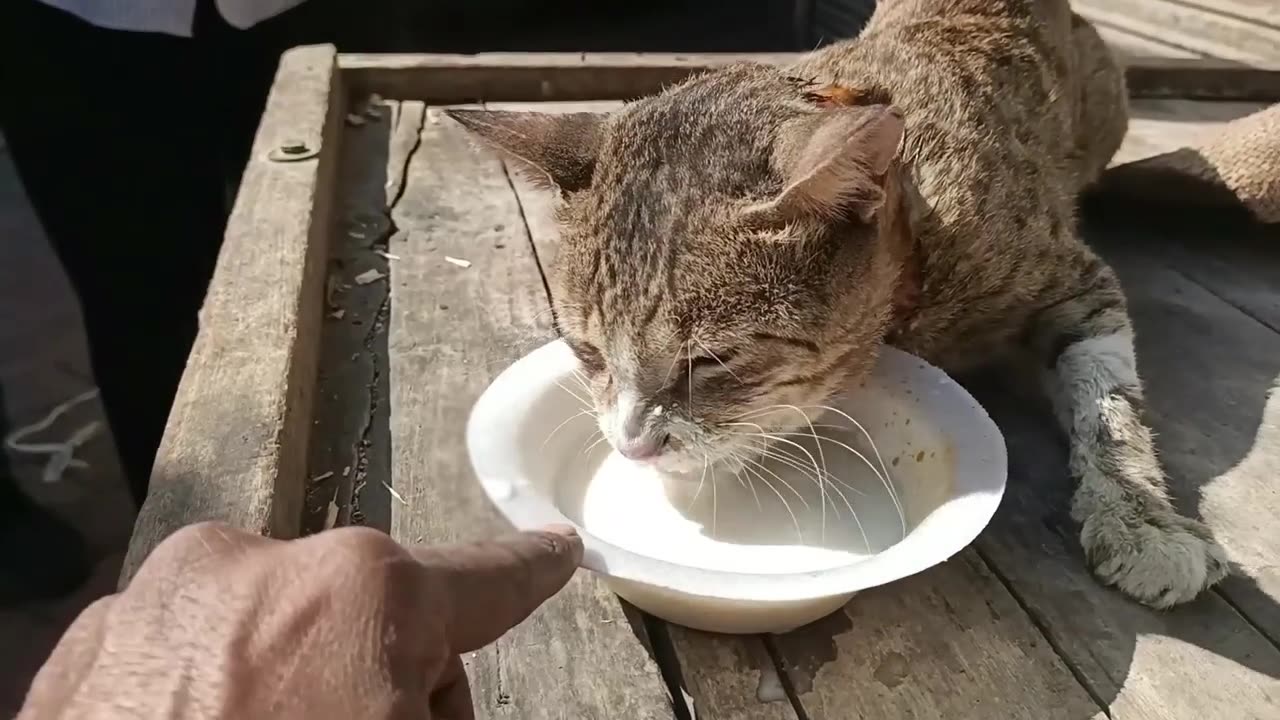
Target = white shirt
(171,17)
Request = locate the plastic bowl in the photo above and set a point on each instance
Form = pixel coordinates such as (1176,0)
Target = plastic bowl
(768,549)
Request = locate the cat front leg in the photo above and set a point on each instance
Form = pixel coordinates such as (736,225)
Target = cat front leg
(1133,537)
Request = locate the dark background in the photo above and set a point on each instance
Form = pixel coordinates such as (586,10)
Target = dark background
(466,26)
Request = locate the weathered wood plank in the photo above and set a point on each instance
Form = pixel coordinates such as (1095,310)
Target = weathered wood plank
(451,330)
(1204,658)
(1127,45)
(1158,126)
(1219,415)
(1238,264)
(948,643)
(721,673)
(235,448)
(1196,29)
(730,678)
(560,77)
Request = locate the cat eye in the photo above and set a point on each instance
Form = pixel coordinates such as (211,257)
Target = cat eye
(719,360)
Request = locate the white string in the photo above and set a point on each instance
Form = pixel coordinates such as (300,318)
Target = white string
(61,455)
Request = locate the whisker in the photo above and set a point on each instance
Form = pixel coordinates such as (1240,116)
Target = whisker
(748,484)
(599,440)
(821,485)
(702,480)
(762,467)
(854,451)
(808,472)
(575,395)
(570,419)
(671,369)
(795,462)
(690,376)
(717,359)
(888,484)
(758,412)
(713,501)
(821,455)
(794,520)
(836,483)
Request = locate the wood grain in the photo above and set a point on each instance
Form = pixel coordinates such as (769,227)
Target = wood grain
(561,77)
(452,329)
(1158,126)
(948,643)
(730,678)
(1206,27)
(235,448)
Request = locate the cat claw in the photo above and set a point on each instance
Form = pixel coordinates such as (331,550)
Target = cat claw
(1161,561)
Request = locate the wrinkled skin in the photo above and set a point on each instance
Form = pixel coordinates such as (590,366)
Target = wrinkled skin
(219,623)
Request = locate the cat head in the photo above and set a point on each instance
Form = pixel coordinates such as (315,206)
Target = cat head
(722,270)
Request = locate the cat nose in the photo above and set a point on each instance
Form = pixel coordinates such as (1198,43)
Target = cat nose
(637,441)
(643,445)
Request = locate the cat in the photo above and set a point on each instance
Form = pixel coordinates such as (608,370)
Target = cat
(748,239)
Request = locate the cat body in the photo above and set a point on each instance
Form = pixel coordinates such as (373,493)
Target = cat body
(998,148)
(736,249)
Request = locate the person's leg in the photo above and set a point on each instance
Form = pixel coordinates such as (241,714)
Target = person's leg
(105,128)
(239,67)
(130,145)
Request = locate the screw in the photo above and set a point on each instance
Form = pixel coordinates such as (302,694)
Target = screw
(292,151)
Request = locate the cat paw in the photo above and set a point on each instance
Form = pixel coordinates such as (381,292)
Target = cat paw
(1160,561)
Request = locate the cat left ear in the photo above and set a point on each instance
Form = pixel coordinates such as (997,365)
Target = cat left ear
(834,163)
(555,150)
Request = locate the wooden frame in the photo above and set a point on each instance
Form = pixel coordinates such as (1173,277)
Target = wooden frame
(611,76)
(246,467)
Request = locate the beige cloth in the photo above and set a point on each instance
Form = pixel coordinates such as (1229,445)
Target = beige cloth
(1240,164)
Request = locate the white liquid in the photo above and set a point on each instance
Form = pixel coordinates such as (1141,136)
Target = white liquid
(738,523)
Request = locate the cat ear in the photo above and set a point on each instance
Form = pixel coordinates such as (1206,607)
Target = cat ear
(555,150)
(834,163)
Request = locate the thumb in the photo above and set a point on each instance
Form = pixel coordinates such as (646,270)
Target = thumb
(490,587)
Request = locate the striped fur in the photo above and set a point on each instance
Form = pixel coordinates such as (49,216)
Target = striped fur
(751,237)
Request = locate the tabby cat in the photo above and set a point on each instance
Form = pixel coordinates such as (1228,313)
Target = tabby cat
(751,237)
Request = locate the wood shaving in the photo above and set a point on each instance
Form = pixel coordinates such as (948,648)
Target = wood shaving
(324,476)
(346,471)
(395,494)
(355,120)
(458,261)
(387,255)
(338,315)
(369,276)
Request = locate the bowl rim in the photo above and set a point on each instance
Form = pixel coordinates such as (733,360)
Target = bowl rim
(979,453)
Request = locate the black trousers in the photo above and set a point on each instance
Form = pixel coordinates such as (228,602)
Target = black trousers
(130,146)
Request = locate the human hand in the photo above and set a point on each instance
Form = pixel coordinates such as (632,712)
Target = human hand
(219,623)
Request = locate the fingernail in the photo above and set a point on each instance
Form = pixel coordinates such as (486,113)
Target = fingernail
(561,529)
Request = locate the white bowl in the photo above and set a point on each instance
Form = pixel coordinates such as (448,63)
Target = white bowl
(728,555)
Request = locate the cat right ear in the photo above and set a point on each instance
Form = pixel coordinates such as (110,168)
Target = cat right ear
(834,164)
(555,150)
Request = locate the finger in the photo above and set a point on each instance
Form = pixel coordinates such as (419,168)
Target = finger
(451,700)
(488,588)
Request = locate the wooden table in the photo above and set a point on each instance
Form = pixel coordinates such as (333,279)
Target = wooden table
(340,351)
